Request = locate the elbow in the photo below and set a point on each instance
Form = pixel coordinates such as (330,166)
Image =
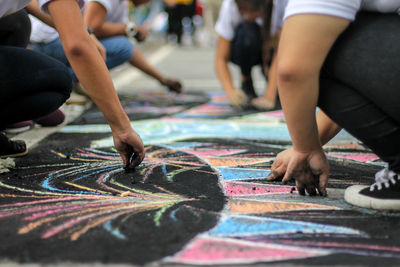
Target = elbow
(76,48)
(291,73)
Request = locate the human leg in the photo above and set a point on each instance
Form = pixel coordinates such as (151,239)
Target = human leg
(175,17)
(55,50)
(359,91)
(364,99)
(31,85)
(246,53)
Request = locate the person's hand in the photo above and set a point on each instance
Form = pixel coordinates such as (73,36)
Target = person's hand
(237,98)
(142,33)
(279,167)
(261,103)
(129,144)
(173,85)
(99,46)
(309,170)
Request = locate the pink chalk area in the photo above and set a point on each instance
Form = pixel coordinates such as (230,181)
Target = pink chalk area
(243,188)
(278,113)
(355,156)
(207,152)
(225,251)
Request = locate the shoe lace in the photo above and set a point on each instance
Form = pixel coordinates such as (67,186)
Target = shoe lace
(383,178)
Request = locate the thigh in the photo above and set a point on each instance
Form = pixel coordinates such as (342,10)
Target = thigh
(24,72)
(362,118)
(366,58)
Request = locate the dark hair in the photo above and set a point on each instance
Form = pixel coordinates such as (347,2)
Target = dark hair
(252,4)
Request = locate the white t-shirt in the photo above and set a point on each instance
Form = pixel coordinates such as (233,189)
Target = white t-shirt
(7,7)
(229,18)
(117,10)
(346,9)
(10,6)
(41,32)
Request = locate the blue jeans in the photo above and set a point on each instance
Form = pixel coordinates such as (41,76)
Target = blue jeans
(118,49)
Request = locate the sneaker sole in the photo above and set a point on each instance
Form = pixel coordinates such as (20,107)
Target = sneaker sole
(18,130)
(352,196)
(15,155)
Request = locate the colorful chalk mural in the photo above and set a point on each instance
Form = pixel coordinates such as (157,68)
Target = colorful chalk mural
(200,197)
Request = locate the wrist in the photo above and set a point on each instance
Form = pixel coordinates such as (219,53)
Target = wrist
(131,30)
(307,150)
(119,120)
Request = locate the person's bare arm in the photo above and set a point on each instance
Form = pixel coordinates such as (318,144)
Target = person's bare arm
(34,9)
(236,97)
(95,17)
(93,74)
(327,128)
(304,45)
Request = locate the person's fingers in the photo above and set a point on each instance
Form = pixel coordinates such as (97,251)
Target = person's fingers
(276,163)
(242,97)
(174,85)
(126,157)
(124,160)
(273,175)
(134,161)
(140,157)
(301,188)
(236,102)
(276,173)
(288,176)
(311,189)
(323,183)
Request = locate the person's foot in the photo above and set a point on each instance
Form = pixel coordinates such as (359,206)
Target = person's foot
(261,103)
(384,194)
(248,88)
(173,85)
(19,127)
(53,119)
(11,148)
